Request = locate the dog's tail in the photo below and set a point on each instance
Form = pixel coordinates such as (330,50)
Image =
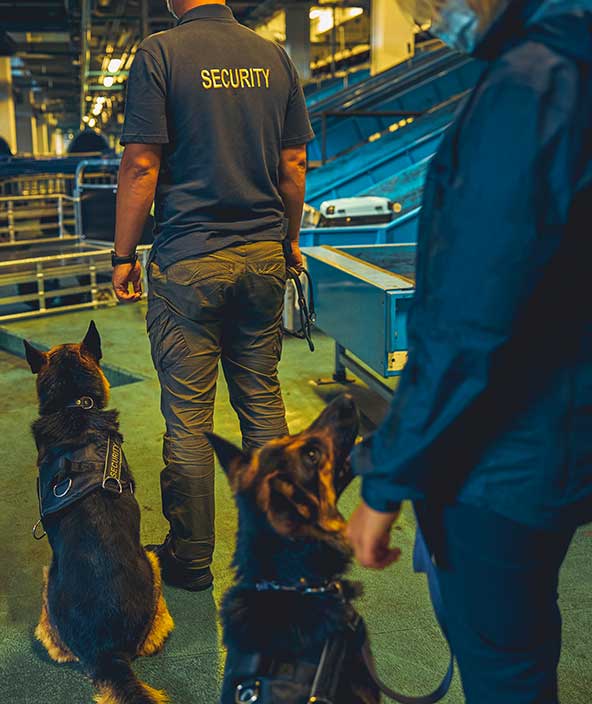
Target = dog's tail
(117,683)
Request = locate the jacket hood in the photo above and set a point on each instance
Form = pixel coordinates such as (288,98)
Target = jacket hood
(565,25)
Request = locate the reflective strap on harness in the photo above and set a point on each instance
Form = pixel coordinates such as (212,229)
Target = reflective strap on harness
(113,464)
(329,672)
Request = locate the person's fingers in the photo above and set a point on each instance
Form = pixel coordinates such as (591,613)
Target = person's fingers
(137,283)
(388,558)
(123,276)
(370,539)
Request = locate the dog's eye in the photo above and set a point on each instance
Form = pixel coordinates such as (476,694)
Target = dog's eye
(312,457)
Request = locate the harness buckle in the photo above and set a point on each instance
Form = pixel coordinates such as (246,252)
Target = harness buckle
(248,693)
(61,494)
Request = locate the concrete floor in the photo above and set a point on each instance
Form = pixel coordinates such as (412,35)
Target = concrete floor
(410,651)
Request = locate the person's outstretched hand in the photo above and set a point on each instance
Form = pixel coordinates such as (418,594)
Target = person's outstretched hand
(123,276)
(369,533)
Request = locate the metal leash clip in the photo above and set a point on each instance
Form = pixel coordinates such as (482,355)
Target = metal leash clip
(248,693)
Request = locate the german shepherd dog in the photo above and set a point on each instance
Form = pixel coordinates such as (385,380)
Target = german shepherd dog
(102,601)
(289,601)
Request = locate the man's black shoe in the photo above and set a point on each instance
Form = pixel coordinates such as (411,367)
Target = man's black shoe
(180,573)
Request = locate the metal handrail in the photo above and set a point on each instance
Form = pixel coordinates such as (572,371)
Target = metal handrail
(80,186)
(142,249)
(48,196)
(36,271)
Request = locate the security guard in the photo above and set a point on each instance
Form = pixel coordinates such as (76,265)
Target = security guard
(215,131)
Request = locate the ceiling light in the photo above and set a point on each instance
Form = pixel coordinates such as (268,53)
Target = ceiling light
(114,65)
(97,110)
(92,122)
(108,81)
(86,118)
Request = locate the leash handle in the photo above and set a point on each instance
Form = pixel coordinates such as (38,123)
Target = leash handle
(307,312)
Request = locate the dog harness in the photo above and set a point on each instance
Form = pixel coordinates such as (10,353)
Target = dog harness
(67,476)
(256,678)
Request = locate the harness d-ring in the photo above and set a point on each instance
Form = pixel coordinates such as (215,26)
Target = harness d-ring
(113,479)
(38,537)
(248,693)
(61,494)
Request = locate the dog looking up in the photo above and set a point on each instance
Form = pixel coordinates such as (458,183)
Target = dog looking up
(102,598)
(289,608)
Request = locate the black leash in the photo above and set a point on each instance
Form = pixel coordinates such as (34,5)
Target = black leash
(438,694)
(308,316)
(422,562)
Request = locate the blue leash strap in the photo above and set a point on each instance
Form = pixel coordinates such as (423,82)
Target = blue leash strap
(422,562)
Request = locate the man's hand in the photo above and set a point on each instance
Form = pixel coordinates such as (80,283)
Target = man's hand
(369,533)
(123,276)
(294,256)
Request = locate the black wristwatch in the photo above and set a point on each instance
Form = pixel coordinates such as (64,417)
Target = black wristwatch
(130,259)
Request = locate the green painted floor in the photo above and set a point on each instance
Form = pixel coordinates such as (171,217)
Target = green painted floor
(409,649)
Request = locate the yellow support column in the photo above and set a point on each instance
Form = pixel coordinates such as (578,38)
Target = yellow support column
(7,116)
(393,36)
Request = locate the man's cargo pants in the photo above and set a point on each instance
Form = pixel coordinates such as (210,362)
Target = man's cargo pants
(225,306)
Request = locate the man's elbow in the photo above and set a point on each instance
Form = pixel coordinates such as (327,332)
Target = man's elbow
(141,164)
(294,162)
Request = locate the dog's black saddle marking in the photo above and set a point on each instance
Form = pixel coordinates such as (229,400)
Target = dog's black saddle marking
(67,476)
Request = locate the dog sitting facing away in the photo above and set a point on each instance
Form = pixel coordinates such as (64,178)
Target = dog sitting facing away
(291,631)
(102,598)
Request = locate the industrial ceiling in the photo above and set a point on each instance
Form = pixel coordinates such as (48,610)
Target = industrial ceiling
(63,70)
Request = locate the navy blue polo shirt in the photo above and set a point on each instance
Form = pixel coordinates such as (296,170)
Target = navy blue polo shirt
(223,102)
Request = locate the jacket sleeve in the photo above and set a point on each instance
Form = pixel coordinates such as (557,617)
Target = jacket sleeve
(494,227)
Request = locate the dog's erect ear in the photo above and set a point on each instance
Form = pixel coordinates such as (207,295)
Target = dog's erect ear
(231,457)
(35,357)
(91,344)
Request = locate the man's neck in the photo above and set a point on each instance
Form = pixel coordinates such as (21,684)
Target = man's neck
(192,4)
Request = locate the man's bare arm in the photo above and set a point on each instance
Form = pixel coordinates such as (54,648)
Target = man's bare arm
(292,187)
(138,176)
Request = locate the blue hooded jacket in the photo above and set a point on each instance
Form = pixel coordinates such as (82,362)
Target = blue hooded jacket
(494,407)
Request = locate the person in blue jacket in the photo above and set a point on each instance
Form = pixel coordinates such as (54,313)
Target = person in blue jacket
(490,431)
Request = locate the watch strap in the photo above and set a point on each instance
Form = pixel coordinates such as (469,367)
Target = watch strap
(117,260)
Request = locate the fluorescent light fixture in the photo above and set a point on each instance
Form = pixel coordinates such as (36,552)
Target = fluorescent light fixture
(114,65)
(108,81)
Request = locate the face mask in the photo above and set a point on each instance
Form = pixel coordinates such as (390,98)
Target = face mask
(170,8)
(458,26)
